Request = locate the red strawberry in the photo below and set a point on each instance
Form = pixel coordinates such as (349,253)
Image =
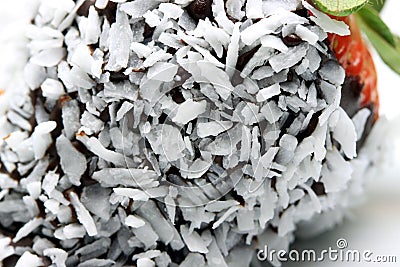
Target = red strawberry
(353,54)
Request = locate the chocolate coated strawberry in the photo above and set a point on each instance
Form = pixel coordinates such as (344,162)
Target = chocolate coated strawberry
(353,54)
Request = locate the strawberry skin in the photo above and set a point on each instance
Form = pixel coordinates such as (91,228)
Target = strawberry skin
(352,53)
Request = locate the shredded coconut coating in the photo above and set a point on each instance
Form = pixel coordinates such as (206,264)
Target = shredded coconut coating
(169,133)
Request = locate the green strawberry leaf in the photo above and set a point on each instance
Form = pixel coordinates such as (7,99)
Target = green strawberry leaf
(371,17)
(339,7)
(377,4)
(390,54)
(380,36)
(397,41)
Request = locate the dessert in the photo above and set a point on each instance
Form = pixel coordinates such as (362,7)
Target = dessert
(180,133)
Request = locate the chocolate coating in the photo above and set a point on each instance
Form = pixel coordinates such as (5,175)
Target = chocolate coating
(292,40)
(200,9)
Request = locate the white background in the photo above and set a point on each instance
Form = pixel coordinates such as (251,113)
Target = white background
(375,225)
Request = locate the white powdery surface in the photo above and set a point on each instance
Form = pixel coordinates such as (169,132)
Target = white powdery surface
(183,139)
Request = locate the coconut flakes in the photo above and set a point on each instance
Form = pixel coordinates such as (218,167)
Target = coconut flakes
(346,135)
(72,161)
(188,111)
(94,145)
(133,193)
(326,23)
(162,71)
(193,240)
(138,8)
(120,39)
(170,121)
(359,120)
(289,59)
(143,262)
(57,256)
(213,128)
(48,57)
(134,221)
(171,10)
(91,124)
(41,138)
(267,93)
(83,214)
(110,177)
(29,259)
(28,228)
(71,118)
(254,9)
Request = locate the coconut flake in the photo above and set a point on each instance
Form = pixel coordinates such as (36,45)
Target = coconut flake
(143,262)
(229,212)
(155,57)
(171,149)
(110,177)
(254,9)
(217,77)
(263,27)
(125,108)
(152,19)
(101,4)
(289,59)
(71,118)
(72,161)
(91,124)
(97,263)
(346,135)
(162,71)
(120,40)
(138,8)
(360,120)
(94,145)
(97,200)
(171,10)
(233,51)
(235,8)
(28,228)
(141,50)
(6,182)
(166,232)
(93,30)
(6,249)
(326,23)
(260,57)
(193,240)
(151,254)
(274,42)
(48,57)
(189,110)
(134,221)
(83,215)
(213,128)
(83,59)
(336,173)
(134,194)
(41,138)
(267,93)
(332,72)
(29,259)
(57,256)
(306,34)
(70,231)
(34,75)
